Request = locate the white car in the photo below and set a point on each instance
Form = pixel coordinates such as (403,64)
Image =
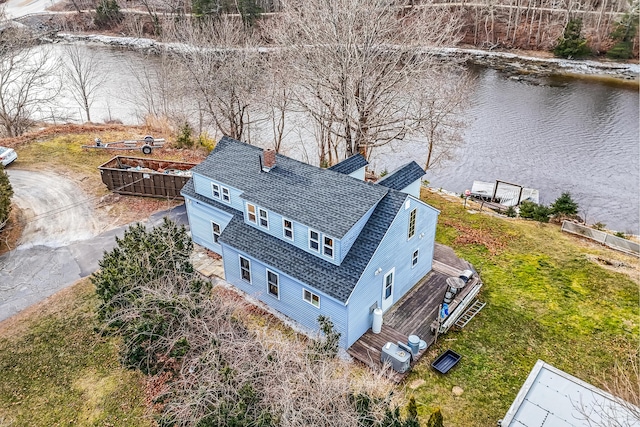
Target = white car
(7,155)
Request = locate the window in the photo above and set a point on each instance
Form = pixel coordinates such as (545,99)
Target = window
(328,246)
(412,223)
(272,283)
(225,195)
(287,227)
(245,269)
(414,259)
(314,240)
(216,231)
(251,213)
(215,188)
(388,285)
(311,298)
(264,218)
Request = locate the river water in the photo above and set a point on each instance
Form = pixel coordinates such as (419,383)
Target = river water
(572,135)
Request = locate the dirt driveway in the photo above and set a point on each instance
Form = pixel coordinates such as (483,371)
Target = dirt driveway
(56,211)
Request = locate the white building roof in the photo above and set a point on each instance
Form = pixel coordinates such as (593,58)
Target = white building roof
(552,398)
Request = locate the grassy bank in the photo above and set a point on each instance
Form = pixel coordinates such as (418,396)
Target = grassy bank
(57,371)
(545,299)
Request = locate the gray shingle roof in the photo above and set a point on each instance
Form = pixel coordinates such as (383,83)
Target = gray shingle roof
(350,165)
(320,198)
(335,281)
(403,177)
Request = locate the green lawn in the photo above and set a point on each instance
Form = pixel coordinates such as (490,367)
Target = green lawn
(56,370)
(545,300)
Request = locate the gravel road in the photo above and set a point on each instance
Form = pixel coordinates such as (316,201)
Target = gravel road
(57,212)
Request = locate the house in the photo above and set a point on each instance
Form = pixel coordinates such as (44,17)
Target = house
(308,241)
(552,397)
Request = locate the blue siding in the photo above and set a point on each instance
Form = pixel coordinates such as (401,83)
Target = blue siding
(349,239)
(358,174)
(203,187)
(395,250)
(200,216)
(300,234)
(290,302)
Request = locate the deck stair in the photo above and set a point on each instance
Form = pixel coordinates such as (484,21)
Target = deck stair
(470,313)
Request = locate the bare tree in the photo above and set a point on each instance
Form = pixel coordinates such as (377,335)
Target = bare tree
(83,75)
(27,84)
(622,408)
(357,62)
(223,68)
(439,113)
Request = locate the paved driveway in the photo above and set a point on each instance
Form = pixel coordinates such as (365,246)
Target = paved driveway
(62,243)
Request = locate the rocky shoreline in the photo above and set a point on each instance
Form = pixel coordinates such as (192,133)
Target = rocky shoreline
(519,65)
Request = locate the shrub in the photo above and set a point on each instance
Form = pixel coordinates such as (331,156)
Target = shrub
(564,205)
(620,234)
(6,192)
(184,139)
(526,209)
(511,212)
(599,226)
(108,14)
(530,210)
(206,142)
(327,346)
(572,44)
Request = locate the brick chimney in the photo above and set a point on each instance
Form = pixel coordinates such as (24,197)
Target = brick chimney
(269,159)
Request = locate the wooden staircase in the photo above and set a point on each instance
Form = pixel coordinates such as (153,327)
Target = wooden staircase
(470,313)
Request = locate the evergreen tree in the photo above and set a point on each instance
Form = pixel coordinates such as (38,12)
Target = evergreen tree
(139,258)
(624,33)
(572,44)
(108,14)
(564,205)
(530,210)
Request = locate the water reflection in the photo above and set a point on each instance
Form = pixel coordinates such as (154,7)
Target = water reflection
(564,135)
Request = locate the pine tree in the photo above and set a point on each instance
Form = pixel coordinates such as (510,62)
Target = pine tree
(572,44)
(564,205)
(624,33)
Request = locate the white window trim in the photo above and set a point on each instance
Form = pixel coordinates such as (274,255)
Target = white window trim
(255,214)
(240,258)
(415,220)
(284,229)
(277,283)
(214,233)
(333,246)
(260,210)
(214,191)
(312,295)
(391,273)
(317,241)
(415,255)
(222,194)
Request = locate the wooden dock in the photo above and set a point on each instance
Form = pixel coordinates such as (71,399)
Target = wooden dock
(413,314)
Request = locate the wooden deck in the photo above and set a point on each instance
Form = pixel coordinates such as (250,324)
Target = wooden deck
(413,314)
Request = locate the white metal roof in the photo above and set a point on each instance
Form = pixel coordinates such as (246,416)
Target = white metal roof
(552,398)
